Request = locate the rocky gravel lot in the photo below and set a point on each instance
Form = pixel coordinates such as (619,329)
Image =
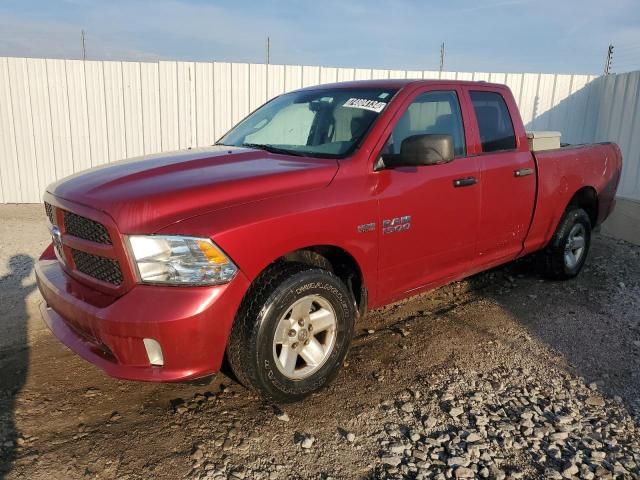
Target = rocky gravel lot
(504,375)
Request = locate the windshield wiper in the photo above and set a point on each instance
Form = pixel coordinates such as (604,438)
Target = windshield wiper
(272,149)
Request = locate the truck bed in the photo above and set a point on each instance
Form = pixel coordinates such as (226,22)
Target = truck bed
(563,171)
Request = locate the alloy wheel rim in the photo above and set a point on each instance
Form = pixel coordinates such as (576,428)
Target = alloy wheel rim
(305,337)
(575,246)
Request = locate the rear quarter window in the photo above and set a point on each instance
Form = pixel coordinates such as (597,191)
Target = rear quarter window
(494,122)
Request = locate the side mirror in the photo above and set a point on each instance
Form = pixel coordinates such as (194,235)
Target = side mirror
(418,150)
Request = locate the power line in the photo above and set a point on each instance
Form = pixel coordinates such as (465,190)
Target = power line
(629,46)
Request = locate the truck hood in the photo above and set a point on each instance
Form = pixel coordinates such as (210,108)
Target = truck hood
(146,194)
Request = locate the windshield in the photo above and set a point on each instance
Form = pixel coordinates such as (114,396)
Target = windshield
(325,122)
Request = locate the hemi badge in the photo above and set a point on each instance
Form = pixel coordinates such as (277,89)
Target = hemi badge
(366,227)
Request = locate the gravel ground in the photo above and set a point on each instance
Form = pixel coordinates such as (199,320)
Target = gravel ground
(501,376)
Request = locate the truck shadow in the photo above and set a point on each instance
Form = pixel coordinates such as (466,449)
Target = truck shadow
(14,358)
(590,324)
(591,320)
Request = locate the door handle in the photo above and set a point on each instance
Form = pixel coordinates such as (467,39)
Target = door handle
(523,172)
(465,182)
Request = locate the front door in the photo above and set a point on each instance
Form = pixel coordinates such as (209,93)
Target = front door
(429,214)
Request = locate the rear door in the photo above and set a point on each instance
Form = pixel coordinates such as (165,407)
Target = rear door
(429,214)
(507,175)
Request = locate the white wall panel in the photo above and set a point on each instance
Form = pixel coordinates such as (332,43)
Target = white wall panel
(240,91)
(205,130)
(346,74)
(529,98)
(186,104)
(60,124)
(257,85)
(41,115)
(310,76)
(23,130)
(114,109)
(630,182)
(546,91)
(96,113)
(328,75)
(379,74)
(514,82)
(362,74)
(62,116)
(275,80)
(292,77)
(577,110)
(498,77)
(169,137)
(605,101)
(78,115)
(560,110)
(9,171)
(222,98)
(150,95)
(132,99)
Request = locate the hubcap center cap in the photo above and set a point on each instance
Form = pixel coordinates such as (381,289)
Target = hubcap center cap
(303,335)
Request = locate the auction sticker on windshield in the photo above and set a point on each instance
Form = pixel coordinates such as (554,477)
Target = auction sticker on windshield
(366,104)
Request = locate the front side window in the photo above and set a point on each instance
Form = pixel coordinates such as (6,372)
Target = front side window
(321,122)
(430,113)
(494,121)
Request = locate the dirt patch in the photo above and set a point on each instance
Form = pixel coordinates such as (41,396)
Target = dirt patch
(570,349)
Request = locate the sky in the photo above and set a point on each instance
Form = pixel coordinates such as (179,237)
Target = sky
(549,36)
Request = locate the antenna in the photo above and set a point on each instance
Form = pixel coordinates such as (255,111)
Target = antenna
(268,50)
(441,57)
(84,46)
(607,64)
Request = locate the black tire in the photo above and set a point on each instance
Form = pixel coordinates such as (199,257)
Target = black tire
(251,344)
(552,259)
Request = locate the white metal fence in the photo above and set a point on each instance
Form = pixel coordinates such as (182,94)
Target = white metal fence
(607,110)
(58,117)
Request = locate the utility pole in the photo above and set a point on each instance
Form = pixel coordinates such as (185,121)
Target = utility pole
(268,50)
(607,64)
(84,47)
(441,57)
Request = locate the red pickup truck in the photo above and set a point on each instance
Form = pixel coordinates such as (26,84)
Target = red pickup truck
(325,202)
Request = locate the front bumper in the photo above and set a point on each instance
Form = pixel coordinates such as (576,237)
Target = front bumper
(191,324)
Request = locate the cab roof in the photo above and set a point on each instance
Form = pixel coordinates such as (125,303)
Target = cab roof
(399,83)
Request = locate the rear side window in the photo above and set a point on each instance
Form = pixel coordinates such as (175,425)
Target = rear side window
(494,121)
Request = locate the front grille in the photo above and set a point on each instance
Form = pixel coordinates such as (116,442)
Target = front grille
(85,228)
(49,209)
(101,268)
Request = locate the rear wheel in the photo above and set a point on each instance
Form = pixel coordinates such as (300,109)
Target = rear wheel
(567,251)
(292,332)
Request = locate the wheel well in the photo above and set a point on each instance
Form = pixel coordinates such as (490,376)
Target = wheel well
(337,261)
(587,199)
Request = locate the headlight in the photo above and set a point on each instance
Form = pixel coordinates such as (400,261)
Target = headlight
(178,260)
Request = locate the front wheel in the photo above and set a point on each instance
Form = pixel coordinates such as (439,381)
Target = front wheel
(292,332)
(567,251)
